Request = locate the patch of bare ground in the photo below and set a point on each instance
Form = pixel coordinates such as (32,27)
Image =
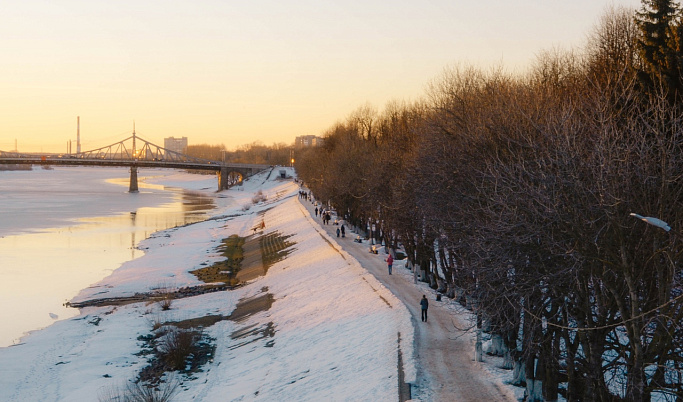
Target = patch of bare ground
(252,305)
(246,258)
(254,333)
(151,297)
(225,271)
(172,349)
(245,308)
(184,347)
(252,264)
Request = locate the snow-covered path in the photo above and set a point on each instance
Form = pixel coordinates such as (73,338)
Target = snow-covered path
(446,370)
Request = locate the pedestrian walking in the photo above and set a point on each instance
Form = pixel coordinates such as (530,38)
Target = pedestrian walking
(424,304)
(338,232)
(390,263)
(316,211)
(343,231)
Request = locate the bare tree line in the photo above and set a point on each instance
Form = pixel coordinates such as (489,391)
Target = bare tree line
(256,153)
(513,194)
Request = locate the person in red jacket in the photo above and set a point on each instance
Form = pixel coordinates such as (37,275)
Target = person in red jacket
(390,262)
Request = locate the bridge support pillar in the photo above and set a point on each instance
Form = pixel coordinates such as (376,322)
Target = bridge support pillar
(133,187)
(223,179)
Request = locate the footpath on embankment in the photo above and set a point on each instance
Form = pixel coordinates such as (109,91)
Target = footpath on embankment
(444,353)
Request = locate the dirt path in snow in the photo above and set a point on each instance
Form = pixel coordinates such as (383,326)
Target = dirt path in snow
(445,356)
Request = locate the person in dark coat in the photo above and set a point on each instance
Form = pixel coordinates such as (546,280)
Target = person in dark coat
(343,231)
(316,211)
(424,304)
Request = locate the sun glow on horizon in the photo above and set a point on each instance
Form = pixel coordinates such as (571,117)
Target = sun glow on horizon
(236,73)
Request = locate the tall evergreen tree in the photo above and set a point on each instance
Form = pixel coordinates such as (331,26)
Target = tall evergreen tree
(660,46)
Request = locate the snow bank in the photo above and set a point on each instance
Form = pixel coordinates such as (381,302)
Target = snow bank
(334,326)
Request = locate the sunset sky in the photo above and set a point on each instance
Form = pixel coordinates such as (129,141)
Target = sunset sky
(235,72)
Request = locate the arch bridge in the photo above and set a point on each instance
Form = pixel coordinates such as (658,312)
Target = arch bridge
(135,152)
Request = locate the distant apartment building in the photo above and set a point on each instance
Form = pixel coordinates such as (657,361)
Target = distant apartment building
(308,141)
(175,144)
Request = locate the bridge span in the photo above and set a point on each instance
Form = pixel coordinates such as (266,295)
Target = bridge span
(140,154)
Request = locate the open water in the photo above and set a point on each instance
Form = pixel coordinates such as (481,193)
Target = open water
(64,229)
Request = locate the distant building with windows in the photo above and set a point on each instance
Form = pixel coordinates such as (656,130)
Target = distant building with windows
(304,141)
(176,144)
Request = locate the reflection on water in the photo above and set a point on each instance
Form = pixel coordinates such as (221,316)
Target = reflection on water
(41,271)
(196,202)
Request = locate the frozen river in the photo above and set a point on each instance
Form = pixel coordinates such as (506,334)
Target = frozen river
(64,229)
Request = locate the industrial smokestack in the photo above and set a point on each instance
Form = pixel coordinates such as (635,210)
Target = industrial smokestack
(78,134)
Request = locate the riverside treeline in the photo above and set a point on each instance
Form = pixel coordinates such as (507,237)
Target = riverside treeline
(513,194)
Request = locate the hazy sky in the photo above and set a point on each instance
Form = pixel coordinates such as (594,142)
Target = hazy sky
(234,72)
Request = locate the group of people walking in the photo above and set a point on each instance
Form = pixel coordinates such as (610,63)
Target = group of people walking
(306,195)
(341,232)
(324,215)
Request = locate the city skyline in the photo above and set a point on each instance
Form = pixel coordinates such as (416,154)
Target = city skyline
(233,74)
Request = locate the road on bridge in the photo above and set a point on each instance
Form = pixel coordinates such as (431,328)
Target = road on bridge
(445,355)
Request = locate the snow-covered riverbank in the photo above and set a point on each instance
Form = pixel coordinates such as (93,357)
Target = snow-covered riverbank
(331,332)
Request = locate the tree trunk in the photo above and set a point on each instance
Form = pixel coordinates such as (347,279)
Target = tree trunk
(574,382)
(450,291)
(511,351)
(550,369)
(534,384)
(497,347)
(518,371)
(635,382)
(594,384)
(478,350)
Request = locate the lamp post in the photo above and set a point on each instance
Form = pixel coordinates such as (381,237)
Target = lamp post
(660,224)
(652,221)
(656,222)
